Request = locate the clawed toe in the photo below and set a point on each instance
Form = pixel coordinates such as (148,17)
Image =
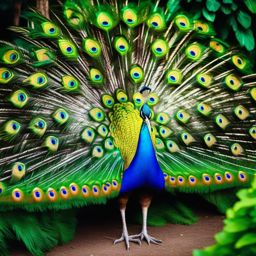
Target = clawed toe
(145,236)
(127,239)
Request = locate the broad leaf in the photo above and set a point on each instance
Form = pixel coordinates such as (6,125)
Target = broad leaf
(244,19)
(247,239)
(209,15)
(212,5)
(251,5)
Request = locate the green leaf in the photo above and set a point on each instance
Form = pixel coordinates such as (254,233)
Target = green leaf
(251,5)
(212,5)
(244,19)
(227,1)
(247,239)
(234,6)
(248,203)
(226,10)
(172,6)
(225,238)
(236,225)
(210,16)
(245,38)
(233,23)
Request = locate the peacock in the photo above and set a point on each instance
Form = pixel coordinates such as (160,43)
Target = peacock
(113,98)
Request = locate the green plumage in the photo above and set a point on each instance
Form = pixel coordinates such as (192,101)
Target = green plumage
(70,106)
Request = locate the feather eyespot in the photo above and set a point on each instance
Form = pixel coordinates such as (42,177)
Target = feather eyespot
(121,45)
(50,29)
(68,48)
(92,47)
(11,57)
(17,195)
(242,176)
(136,74)
(129,16)
(156,22)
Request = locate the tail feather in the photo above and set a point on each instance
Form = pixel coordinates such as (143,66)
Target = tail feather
(70,103)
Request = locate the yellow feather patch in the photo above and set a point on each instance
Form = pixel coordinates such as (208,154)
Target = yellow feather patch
(125,129)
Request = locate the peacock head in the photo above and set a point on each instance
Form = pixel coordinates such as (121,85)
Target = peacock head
(145,111)
(145,91)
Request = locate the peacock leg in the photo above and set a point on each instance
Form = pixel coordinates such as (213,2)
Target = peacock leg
(125,236)
(145,203)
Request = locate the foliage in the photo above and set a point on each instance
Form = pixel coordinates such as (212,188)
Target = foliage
(233,19)
(238,235)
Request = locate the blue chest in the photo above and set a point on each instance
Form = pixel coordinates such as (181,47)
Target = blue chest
(144,170)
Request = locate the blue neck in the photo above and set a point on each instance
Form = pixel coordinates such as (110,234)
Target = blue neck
(144,170)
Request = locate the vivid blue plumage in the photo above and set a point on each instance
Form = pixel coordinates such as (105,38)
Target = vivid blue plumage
(144,170)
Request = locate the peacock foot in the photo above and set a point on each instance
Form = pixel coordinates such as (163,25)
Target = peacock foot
(127,239)
(145,236)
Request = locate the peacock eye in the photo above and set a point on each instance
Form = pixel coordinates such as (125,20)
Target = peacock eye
(60,116)
(194,51)
(174,77)
(19,98)
(153,99)
(252,132)
(108,144)
(204,80)
(183,23)
(138,99)
(51,143)
(121,45)
(68,48)
(37,80)
(240,62)
(102,130)
(96,76)
(105,21)
(129,16)
(12,127)
(121,96)
(159,48)
(233,82)
(204,28)
(222,121)
(172,146)
(107,100)
(11,57)
(70,83)
(6,75)
(137,74)
(88,135)
(182,116)
(97,114)
(204,109)
(92,47)
(162,118)
(187,138)
(50,29)
(241,112)
(156,22)
(97,151)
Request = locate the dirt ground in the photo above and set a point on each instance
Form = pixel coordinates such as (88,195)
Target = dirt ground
(95,238)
